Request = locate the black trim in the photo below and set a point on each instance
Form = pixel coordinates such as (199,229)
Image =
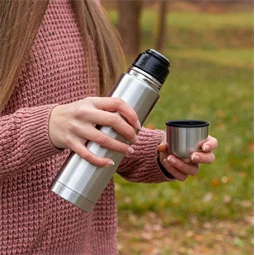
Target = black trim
(187,123)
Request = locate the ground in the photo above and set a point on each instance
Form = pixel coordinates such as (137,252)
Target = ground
(195,238)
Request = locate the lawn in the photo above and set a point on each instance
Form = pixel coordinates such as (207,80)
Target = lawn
(211,78)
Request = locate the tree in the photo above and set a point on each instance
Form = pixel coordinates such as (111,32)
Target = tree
(161,30)
(129,25)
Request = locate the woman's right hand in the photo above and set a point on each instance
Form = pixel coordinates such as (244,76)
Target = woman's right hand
(71,125)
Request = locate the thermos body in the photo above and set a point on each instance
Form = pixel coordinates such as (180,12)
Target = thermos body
(81,182)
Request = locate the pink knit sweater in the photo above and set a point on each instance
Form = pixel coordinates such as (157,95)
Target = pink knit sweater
(33,220)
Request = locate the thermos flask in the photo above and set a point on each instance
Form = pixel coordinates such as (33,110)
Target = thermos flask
(81,182)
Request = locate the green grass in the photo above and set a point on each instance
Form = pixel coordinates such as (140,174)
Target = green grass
(200,30)
(200,21)
(196,20)
(212,79)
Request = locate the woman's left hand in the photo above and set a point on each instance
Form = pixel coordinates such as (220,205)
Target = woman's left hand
(181,169)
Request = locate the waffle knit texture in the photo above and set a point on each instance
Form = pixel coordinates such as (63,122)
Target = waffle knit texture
(34,220)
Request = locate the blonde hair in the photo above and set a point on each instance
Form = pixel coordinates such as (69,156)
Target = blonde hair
(19,23)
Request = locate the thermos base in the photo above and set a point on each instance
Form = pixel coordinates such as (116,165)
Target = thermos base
(72,196)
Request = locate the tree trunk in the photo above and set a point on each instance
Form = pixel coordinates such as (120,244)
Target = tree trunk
(129,25)
(161,36)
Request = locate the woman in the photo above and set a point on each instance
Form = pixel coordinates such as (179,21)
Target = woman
(59,59)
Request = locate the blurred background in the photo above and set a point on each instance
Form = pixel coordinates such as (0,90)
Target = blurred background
(210,45)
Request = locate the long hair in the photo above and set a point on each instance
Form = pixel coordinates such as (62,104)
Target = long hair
(19,23)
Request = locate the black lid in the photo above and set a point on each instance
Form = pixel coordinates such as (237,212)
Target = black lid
(153,63)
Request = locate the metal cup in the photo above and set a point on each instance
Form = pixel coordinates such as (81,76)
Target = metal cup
(185,136)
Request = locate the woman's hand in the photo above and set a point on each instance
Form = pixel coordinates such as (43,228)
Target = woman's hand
(181,169)
(71,125)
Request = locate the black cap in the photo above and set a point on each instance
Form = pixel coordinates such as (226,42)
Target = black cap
(153,63)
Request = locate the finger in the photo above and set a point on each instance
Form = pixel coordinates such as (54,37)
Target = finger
(79,148)
(186,160)
(186,168)
(210,144)
(174,171)
(118,105)
(106,141)
(117,122)
(163,147)
(206,158)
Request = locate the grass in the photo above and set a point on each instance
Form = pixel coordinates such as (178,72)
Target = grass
(201,21)
(211,78)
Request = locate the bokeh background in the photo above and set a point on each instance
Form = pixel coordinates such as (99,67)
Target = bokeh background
(210,45)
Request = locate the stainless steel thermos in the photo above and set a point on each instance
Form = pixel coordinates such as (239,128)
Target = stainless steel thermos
(81,182)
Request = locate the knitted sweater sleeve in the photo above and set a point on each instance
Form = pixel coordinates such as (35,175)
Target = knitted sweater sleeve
(142,165)
(24,139)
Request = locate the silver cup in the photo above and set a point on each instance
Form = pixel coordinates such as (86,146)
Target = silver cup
(185,136)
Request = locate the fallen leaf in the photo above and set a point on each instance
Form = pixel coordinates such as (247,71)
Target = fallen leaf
(147,236)
(220,113)
(224,179)
(150,126)
(207,198)
(251,146)
(198,238)
(215,182)
(246,203)
(227,199)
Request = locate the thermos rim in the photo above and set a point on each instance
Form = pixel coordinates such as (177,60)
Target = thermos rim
(159,56)
(187,123)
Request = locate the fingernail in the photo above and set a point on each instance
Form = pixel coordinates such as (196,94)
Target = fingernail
(110,163)
(194,157)
(130,150)
(206,148)
(138,124)
(135,139)
(171,159)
